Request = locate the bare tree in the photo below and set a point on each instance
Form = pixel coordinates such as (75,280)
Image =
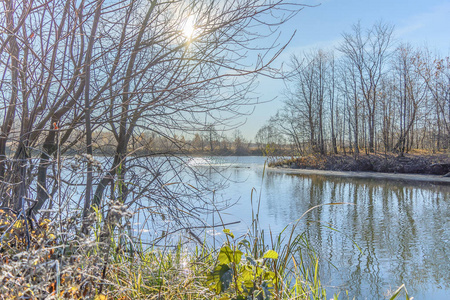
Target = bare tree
(368,52)
(411,93)
(349,91)
(311,82)
(269,140)
(436,74)
(71,69)
(332,96)
(397,99)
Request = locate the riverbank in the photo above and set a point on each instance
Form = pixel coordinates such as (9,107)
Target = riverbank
(434,179)
(435,164)
(420,168)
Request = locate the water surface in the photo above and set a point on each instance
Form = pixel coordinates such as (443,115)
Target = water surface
(402,229)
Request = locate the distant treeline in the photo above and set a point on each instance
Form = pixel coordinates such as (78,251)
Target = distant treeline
(369,94)
(209,142)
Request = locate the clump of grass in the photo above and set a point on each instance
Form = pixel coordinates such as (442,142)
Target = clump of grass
(251,267)
(35,264)
(51,265)
(159,274)
(78,268)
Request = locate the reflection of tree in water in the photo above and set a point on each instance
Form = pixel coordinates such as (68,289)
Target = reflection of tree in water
(402,231)
(293,203)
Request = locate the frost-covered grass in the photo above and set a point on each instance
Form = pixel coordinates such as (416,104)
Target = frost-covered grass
(38,261)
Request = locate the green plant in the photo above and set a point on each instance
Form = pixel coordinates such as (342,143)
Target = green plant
(243,276)
(250,269)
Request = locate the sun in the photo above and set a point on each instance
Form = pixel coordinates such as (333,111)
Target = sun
(189,27)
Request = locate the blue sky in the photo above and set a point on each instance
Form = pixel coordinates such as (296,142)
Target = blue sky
(421,23)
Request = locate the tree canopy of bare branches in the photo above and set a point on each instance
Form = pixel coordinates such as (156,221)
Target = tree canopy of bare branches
(375,95)
(74,70)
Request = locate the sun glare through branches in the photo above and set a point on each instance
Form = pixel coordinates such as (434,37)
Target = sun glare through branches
(189,27)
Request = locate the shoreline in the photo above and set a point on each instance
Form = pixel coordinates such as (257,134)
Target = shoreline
(424,178)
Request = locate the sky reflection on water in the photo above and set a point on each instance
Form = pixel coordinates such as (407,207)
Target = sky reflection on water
(402,229)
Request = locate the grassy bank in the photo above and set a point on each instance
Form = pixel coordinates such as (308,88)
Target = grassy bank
(438,164)
(40,263)
(44,262)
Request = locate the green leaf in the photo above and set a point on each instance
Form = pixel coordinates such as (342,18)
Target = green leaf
(227,255)
(246,275)
(259,271)
(220,278)
(226,279)
(269,275)
(228,232)
(246,281)
(271,254)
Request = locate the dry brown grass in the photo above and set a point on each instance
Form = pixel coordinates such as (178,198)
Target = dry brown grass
(51,266)
(438,164)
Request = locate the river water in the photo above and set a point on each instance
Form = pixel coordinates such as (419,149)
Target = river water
(402,230)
